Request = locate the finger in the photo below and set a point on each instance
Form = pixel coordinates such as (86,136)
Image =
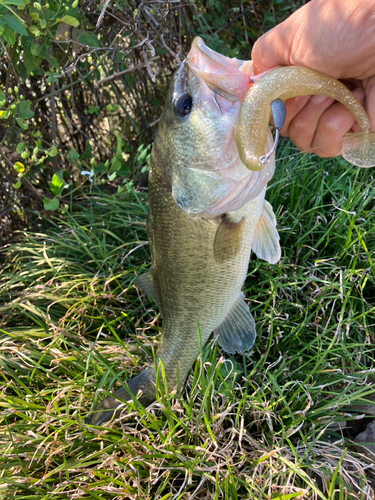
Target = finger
(333,124)
(293,107)
(303,126)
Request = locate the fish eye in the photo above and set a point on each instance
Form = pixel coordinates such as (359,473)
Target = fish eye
(183,105)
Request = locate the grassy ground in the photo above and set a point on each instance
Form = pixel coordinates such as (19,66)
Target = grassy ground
(270,424)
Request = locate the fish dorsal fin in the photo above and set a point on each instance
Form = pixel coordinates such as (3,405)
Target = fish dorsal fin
(146,283)
(228,239)
(266,243)
(237,332)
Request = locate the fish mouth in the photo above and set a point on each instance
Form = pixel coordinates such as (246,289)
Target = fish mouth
(221,183)
(228,77)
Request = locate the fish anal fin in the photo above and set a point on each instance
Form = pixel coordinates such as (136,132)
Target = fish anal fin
(228,239)
(146,283)
(237,332)
(266,243)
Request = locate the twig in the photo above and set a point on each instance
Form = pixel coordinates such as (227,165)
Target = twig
(120,73)
(54,125)
(148,67)
(169,50)
(10,61)
(244,23)
(100,20)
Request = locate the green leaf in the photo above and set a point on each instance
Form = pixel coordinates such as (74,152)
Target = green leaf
(1,25)
(36,48)
(23,109)
(15,25)
(73,155)
(93,110)
(20,147)
(120,143)
(142,153)
(52,77)
(87,152)
(19,3)
(35,16)
(32,62)
(19,167)
(2,96)
(17,185)
(52,60)
(8,35)
(51,204)
(111,107)
(72,21)
(52,152)
(160,50)
(131,80)
(89,39)
(21,123)
(115,164)
(4,114)
(57,183)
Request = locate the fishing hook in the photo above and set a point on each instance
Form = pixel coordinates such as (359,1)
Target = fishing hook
(278,116)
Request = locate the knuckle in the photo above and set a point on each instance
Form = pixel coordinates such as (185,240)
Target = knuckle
(299,125)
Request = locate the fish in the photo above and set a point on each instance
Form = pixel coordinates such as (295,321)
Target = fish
(207,212)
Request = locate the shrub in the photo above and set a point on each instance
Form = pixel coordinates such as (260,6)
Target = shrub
(82,85)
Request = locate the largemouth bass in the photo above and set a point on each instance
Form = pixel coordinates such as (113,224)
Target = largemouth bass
(206,213)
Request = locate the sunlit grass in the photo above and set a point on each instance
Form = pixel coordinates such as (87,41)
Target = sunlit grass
(269,424)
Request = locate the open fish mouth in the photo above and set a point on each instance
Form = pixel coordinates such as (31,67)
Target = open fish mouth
(232,79)
(227,77)
(219,182)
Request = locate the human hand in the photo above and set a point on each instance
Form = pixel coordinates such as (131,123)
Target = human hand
(336,37)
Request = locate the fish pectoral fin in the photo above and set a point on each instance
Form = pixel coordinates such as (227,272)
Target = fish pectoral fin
(228,239)
(146,283)
(237,332)
(266,243)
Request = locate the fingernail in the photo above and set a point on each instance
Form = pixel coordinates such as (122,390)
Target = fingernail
(318,99)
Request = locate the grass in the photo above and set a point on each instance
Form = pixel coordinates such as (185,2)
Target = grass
(274,423)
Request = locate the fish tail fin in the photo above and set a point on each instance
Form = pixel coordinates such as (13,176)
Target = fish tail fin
(109,407)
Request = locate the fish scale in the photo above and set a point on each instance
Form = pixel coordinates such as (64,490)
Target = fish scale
(200,233)
(191,286)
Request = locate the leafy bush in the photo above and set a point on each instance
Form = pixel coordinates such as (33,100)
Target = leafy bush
(82,85)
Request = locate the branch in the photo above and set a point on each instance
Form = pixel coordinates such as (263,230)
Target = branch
(120,73)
